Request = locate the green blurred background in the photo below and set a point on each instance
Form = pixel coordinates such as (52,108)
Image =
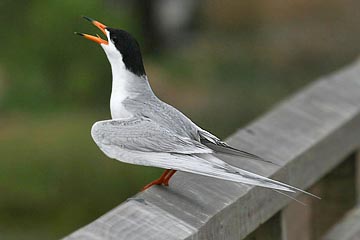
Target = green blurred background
(221,62)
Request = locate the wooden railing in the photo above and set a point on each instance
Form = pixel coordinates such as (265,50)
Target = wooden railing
(314,136)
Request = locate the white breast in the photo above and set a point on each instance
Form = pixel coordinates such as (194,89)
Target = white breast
(121,85)
(120,91)
(117,107)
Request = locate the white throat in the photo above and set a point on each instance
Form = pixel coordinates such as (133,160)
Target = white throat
(125,84)
(121,81)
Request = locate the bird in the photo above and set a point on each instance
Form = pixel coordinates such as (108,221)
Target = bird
(144,130)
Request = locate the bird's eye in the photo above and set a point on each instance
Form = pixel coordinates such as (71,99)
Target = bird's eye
(114,39)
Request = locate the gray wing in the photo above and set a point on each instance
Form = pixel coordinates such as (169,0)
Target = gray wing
(219,146)
(144,142)
(145,135)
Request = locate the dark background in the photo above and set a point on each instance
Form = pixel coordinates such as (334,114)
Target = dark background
(221,62)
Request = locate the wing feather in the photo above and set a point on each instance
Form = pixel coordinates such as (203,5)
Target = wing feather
(192,164)
(141,141)
(143,134)
(219,146)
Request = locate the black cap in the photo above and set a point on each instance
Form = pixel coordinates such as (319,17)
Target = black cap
(129,49)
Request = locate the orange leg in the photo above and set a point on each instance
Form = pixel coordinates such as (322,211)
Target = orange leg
(167,178)
(158,181)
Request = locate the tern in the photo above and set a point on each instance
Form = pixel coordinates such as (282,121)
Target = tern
(147,131)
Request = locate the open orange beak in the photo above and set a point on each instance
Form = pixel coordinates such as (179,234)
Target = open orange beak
(96,38)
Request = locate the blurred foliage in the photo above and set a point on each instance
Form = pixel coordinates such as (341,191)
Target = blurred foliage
(242,58)
(46,190)
(45,64)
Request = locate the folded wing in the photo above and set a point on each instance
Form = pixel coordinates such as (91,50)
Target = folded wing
(143,134)
(219,146)
(142,141)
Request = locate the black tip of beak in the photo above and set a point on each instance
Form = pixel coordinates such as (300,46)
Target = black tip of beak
(89,19)
(80,34)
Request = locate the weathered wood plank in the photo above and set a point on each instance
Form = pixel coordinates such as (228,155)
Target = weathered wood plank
(347,229)
(308,135)
(120,222)
(270,230)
